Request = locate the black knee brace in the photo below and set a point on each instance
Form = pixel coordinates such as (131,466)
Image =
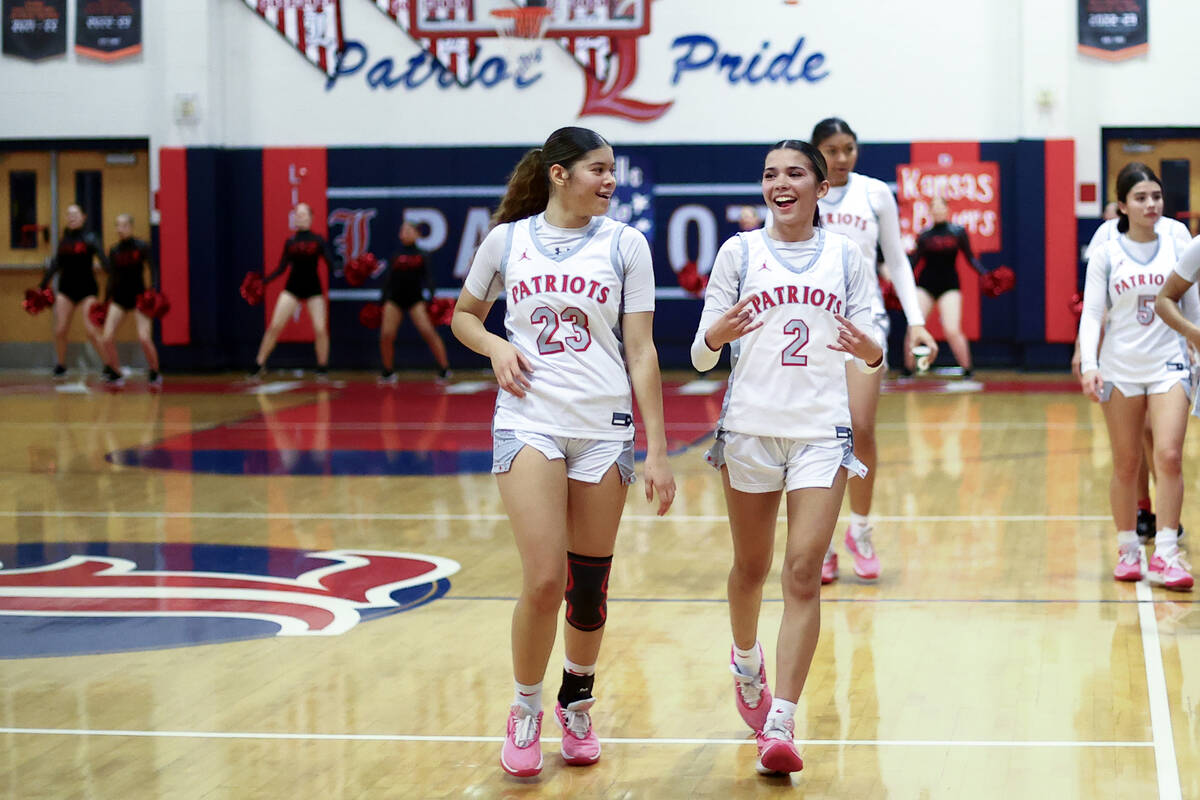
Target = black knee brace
(587,591)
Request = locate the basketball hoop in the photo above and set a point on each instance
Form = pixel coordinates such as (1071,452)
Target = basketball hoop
(522,23)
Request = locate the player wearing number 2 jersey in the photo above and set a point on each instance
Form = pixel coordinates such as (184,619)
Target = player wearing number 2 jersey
(578,319)
(1142,369)
(791,301)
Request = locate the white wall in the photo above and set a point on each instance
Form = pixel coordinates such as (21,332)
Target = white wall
(1009,69)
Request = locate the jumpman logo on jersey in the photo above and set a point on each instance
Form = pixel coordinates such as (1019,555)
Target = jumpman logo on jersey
(764,266)
(524,256)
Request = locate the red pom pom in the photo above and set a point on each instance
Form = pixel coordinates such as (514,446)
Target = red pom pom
(998,281)
(441,310)
(37,300)
(252,288)
(890,298)
(1075,304)
(691,280)
(98,313)
(371,316)
(360,269)
(153,304)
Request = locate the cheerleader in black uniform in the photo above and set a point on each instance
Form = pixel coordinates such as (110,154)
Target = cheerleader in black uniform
(127,263)
(301,253)
(937,280)
(408,278)
(74,264)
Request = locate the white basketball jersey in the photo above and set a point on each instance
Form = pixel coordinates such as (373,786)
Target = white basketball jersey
(564,314)
(1138,346)
(852,216)
(786,381)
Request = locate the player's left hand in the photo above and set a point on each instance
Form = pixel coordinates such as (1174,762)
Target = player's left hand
(656,474)
(853,341)
(918,335)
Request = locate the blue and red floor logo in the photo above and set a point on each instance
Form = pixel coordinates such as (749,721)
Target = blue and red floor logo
(64,599)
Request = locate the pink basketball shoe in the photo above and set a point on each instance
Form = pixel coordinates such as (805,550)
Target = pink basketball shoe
(777,751)
(1171,571)
(751,694)
(866,562)
(580,744)
(1129,564)
(522,752)
(829,569)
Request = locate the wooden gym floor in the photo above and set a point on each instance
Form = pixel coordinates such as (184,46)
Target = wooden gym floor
(995,658)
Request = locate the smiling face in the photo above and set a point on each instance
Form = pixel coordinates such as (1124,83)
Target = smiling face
(586,189)
(1143,204)
(841,154)
(791,187)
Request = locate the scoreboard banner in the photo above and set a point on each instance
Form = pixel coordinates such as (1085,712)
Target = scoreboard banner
(35,29)
(108,30)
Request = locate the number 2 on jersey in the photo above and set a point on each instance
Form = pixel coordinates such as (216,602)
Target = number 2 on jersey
(791,353)
(579,339)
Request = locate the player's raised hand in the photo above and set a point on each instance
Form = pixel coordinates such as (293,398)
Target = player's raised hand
(853,341)
(733,324)
(512,368)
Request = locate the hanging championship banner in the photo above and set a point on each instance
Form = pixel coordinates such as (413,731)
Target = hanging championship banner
(314,27)
(35,29)
(970,189)
(1113,29)
(108,29)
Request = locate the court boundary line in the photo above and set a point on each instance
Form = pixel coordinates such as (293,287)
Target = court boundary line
(418,517)
(1165,764)
(401,737)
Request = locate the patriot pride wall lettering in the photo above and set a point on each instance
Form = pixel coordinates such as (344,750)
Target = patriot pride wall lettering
(35,29)
(314,27)
(108,30)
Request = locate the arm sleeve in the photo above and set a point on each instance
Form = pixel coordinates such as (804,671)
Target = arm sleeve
(859,295)
(894,256)
(1189,263)
(483,279)
(97,251)
(428,277)
(52,268)
(634,252)
(721,294)
(964,244)
(331,257)
(1095,300)
(151,263)
(283,264)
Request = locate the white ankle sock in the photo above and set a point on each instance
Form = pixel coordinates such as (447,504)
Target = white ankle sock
(578,669)
(859,524)
(1127,539)
(529,696)
(748,662)
(781,712)
(1166,540)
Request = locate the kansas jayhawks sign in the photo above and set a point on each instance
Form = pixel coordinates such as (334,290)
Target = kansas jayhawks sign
(71,599)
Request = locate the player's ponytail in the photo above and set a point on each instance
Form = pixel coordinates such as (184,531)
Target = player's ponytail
(1131,175)
(528,189)
(814,157)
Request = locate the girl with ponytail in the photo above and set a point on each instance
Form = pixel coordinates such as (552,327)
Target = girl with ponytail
(578,316)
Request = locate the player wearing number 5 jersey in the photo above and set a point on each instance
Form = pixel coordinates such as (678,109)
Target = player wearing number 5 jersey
(1142,369)
(580,304)
(792,301)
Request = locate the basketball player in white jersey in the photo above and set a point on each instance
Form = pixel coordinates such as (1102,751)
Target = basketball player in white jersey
(864,209)
(1142,369)
(792,301)
(578,318)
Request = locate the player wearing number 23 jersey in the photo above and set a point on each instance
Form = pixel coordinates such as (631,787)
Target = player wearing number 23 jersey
(567,290)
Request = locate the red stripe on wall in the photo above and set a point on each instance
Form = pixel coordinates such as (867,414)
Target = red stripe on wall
(968,279)
(291,176)
(174,266)
(1062,246)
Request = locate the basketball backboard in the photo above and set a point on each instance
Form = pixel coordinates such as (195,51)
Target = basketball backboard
(437,19)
